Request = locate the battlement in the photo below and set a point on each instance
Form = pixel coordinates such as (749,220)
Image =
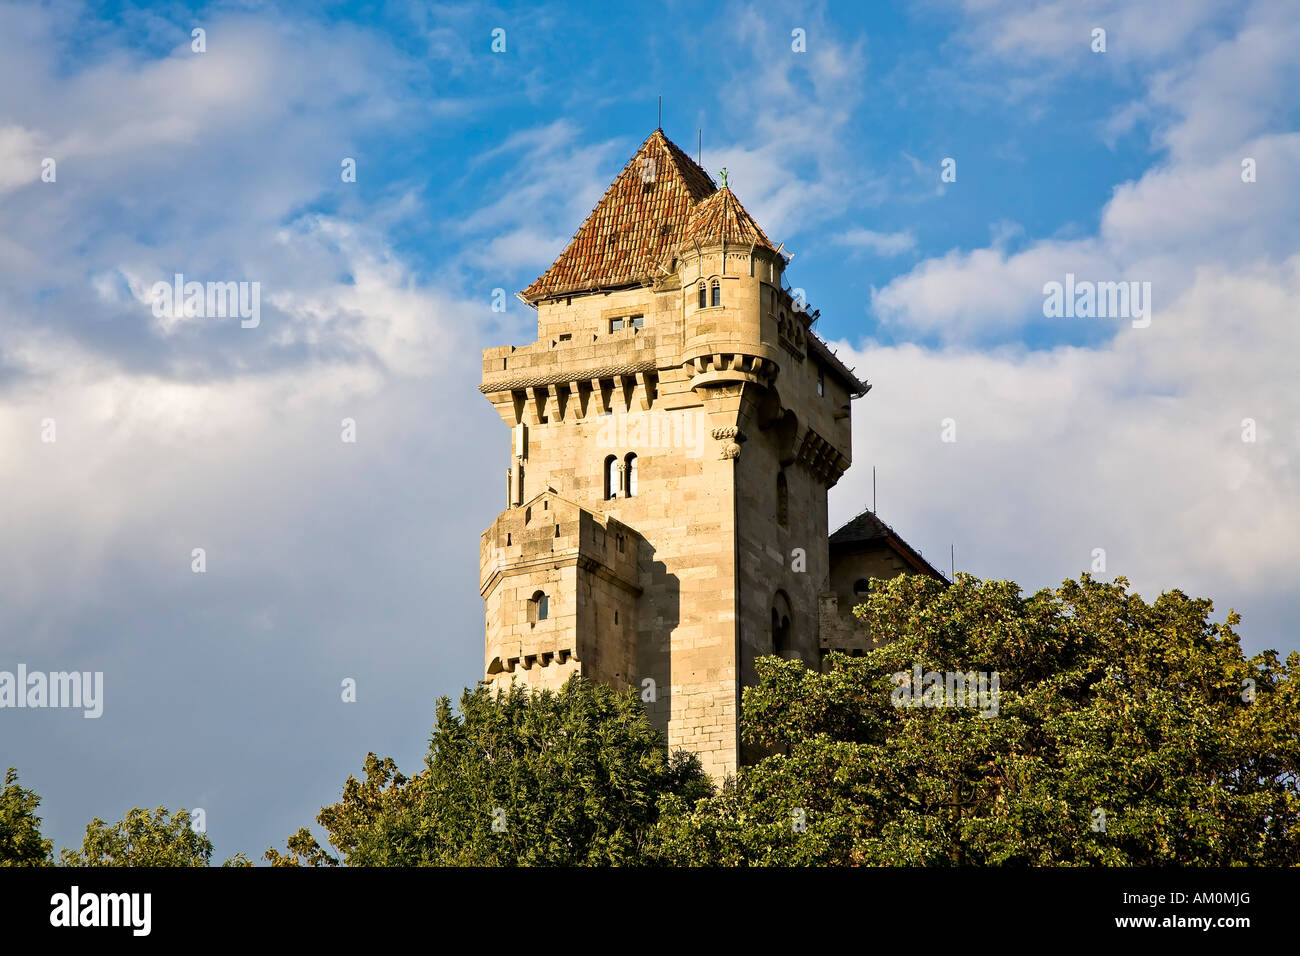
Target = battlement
(547,570)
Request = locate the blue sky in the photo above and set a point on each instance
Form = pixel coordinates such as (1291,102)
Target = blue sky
(328,560)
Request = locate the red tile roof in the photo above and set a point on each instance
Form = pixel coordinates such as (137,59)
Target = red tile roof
(722,217)
(660,200)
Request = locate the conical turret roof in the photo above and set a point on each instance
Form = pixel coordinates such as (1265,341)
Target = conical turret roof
(721,217)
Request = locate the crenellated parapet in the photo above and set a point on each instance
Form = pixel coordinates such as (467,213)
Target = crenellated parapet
(548,569)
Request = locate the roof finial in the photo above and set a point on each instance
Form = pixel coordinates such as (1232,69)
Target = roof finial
(723,170)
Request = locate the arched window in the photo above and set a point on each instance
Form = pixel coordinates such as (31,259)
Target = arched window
(782,499)
(702,300)
(717,293)
(611,477)
(629,474)
(782,643)
(861,587)
(538,607)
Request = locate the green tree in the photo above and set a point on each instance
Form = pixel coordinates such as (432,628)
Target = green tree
(1126,733)
(142,839)
(571,777)
(20,828)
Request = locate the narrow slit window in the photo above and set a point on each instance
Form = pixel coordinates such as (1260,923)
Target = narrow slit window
(611,477)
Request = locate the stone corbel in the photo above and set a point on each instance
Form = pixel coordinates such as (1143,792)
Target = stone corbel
(643,391)
(601,394)
(731,436)
(537,403)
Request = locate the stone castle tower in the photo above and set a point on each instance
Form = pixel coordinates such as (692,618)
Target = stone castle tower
(674,431)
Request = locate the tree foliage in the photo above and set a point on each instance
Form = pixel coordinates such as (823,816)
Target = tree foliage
(571,777)
(1126,733)
(142,839)
(20,828)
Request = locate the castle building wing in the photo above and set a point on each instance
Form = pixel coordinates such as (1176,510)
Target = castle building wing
(867,532)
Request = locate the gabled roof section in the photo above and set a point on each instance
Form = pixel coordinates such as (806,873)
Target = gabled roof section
(643,215)
(863,529)
(721,218)
(868,531)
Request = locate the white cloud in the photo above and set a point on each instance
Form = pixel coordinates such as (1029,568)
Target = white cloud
(879,243)
(1058,30)
(1136,448)
(1134,445)
(210,435)
(1211,109)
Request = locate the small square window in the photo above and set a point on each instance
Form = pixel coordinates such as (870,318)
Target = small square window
(615,325)
(566,336)
(637,321)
